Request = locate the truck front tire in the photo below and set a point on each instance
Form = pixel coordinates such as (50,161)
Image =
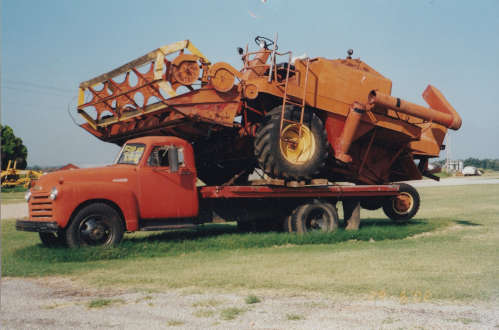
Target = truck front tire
(53,239)
(96,224)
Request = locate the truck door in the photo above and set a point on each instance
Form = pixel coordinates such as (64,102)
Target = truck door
(163,192)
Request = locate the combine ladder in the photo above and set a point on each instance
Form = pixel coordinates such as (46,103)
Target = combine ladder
(288,100)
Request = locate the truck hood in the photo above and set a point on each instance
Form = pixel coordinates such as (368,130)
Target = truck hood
(112,173)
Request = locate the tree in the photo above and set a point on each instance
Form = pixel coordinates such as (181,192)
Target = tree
(13,149)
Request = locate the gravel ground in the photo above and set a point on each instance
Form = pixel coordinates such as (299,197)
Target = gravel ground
(58,303)
(14,211)
(454,181)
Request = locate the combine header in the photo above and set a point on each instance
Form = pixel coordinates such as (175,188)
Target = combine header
(296,120)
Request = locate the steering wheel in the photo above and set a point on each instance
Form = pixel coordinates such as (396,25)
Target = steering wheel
(259,40)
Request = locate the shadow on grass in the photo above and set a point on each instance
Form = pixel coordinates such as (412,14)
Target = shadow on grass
(466,223)
(218,237)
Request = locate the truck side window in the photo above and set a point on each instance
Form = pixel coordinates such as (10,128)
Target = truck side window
(159,156)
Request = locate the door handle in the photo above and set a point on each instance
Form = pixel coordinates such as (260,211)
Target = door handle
(185,172)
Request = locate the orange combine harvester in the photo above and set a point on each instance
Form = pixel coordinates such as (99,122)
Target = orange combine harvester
(296,119)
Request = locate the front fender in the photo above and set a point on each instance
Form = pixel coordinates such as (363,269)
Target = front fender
(73,196)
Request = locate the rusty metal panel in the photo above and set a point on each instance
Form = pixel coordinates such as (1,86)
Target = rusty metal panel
(302,192)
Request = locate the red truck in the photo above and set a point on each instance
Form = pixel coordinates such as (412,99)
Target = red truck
(152,185)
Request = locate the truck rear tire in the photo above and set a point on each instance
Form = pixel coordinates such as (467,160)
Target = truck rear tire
(286,225)
(279,158)
(404,206)
(314,216)
(96,224)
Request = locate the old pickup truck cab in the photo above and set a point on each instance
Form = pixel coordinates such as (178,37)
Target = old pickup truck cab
(96,205)
(152,186)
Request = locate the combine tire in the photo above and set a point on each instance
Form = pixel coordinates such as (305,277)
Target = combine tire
(95,225)
(315,216)
(404,206)
(292,157)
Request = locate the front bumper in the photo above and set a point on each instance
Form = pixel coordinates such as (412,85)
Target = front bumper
(37,226)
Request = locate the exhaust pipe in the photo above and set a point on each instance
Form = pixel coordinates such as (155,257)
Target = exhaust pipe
(443,113)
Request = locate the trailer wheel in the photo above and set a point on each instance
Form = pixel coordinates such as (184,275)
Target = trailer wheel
(97,224)
(404,206)
(295,156)
(52,239)
(315,216)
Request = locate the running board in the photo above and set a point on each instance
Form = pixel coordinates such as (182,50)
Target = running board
(165,224)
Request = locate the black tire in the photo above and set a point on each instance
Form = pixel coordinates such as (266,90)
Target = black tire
(404,206)
(320,216)
(372,203)
(286,225)
(275,157)
(97,224)
(53,239)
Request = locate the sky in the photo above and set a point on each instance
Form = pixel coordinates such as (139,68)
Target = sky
(49,47)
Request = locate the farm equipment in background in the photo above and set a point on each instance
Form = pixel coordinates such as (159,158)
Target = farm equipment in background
(12,177)
(297,120)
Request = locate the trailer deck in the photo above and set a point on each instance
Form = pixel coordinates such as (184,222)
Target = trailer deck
(335,191)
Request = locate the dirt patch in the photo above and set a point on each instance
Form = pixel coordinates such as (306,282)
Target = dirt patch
(59,303)
(442,231)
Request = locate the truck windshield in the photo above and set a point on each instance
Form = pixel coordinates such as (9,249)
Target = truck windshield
(130,154)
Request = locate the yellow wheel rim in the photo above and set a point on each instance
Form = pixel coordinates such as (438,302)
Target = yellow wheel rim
(297,149)
(403,203)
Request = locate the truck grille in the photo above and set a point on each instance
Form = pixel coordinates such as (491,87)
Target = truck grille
(40,207)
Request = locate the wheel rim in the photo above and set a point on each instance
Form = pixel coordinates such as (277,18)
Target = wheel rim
(297,149)
(317,220)
(403,203)
(94,230)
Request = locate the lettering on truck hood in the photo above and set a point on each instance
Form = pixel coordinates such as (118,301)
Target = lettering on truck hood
(120,180)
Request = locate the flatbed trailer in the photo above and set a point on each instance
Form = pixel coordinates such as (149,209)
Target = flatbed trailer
(278,204)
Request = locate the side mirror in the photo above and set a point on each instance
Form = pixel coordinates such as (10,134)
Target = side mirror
(173,159)
(240,50)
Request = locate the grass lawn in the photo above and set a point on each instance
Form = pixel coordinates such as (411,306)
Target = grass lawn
(450,251)
(9,197)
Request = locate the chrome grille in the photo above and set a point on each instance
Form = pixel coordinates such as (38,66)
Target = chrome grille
(40,207)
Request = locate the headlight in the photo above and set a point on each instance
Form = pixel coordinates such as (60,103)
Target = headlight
(53,193)
(27,195)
